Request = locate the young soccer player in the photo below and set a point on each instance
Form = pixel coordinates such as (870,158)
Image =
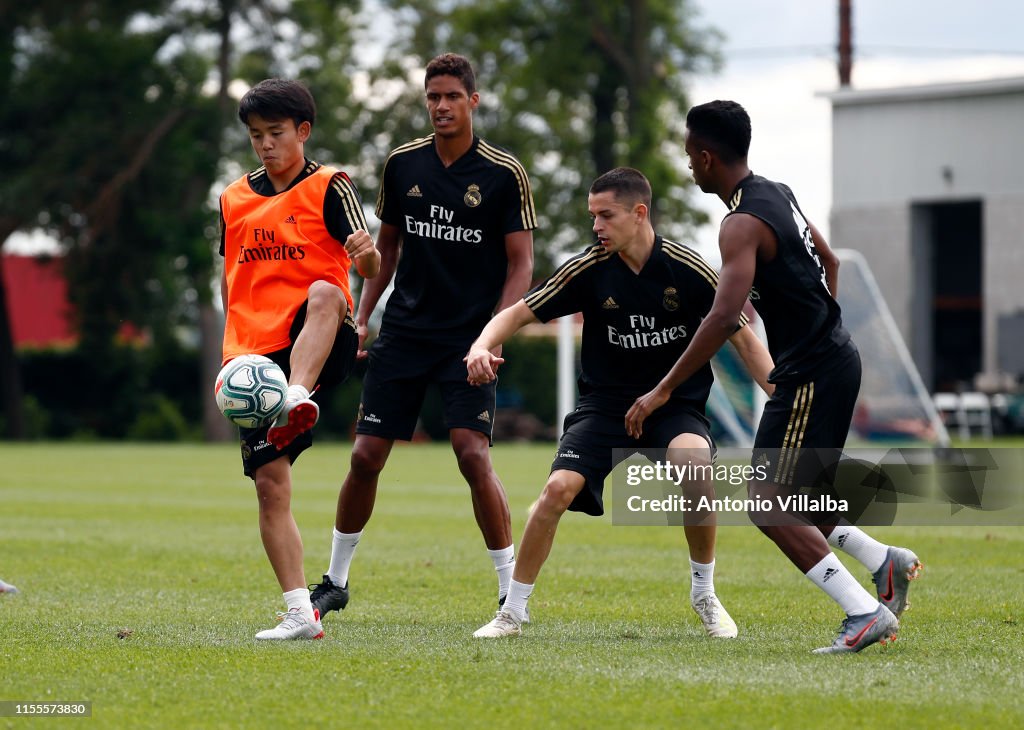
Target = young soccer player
(642,297)
(774,256)
(456,224)
(289,232)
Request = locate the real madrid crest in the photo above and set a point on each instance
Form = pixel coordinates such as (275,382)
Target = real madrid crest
(671,299)
(473,197)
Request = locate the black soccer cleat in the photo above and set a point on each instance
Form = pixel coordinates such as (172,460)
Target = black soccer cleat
(326,596)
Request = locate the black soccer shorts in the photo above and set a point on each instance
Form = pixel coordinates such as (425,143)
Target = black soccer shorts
(590,434)
(805,423)
(396,382)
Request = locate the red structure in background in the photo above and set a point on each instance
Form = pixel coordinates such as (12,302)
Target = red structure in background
(37,301)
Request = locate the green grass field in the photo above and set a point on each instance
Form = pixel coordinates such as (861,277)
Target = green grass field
(162,542)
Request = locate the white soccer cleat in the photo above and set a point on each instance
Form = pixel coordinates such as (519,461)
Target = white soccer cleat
(503,624)
(7,587)
(294,626)
(717,621)
(297,417)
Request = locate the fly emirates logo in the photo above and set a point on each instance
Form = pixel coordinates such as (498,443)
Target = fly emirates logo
(644,332)
(264,247)
(441,226)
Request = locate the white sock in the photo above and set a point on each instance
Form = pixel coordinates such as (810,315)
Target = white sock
(859,545)
(832,577)
(702,578)
(504,562)
(343,548)
(518,595)
(296,392)
(299,598)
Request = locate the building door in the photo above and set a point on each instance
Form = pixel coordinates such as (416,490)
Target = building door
(948,301)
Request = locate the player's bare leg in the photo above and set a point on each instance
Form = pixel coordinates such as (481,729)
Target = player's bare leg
(325,311)
(283,545)
(355,506)
(692,450)
(538,537)
(490,504)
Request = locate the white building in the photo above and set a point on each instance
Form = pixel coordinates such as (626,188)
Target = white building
(928,183)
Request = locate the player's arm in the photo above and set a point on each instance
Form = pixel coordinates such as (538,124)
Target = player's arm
(519,250)
(755,356)
(738,241)
(389,245)
(365,255)
(481,361)
(828,259)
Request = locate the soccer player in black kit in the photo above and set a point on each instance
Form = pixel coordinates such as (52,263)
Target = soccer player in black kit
(457,217)
(642,297)
(772,254)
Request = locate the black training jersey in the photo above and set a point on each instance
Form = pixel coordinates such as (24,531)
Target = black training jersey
(453,221)
(801,318)
(635,326)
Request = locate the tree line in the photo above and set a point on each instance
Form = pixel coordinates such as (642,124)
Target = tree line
(118,129)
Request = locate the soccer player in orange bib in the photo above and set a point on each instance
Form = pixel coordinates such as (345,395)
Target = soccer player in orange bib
(290,231)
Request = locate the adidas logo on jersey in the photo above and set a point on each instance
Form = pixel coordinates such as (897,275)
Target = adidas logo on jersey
(290,219)
(484,416)
(414,192)
(609,303)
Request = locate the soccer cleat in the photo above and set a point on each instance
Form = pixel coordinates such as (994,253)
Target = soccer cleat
(892,580)
(294,625)
(857,632)
(717,621)
(327,597)
(7,587)
(297,417)
(526,613)
(503,624)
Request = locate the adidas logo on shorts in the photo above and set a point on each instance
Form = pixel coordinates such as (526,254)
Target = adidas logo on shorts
(484,416)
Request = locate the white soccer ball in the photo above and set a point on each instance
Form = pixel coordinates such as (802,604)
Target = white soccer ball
(250,390)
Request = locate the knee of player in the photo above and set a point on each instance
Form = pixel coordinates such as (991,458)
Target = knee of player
(474,461)
(323,296)
(558,494)
(272,491)
(366,462)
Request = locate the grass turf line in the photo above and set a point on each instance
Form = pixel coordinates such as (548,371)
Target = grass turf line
(162,542)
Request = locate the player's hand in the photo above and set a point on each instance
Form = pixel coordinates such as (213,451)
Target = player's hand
(359,245)
(481,366)
(361,332)
(642,407)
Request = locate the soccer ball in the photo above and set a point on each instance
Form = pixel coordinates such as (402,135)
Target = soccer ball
(250,390)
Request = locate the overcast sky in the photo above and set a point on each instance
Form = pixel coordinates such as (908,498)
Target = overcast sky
(780,56)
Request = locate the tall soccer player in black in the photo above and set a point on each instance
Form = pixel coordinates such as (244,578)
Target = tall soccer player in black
(772,254)
(642,297)
(457,217)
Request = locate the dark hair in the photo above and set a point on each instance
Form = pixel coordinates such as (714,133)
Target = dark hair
(629,185)
(722,127)
(452,64)
(277,99)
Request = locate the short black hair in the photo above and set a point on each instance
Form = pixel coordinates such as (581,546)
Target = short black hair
(452,64)
(723,127)
(277,99)
(629,185)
